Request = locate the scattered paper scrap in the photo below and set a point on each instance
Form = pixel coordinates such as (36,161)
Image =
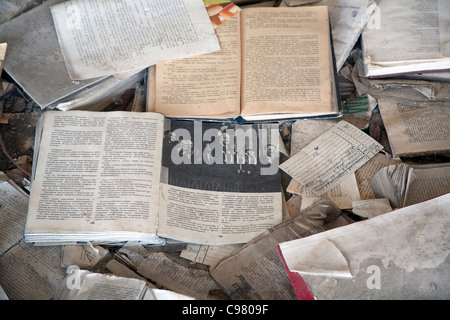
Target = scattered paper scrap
(330,158)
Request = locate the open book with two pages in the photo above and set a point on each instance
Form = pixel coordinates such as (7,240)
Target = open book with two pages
(274,63)
(112,177)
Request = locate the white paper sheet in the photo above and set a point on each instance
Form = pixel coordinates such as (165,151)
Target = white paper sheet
(100,38)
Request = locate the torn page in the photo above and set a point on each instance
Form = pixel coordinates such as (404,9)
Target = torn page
(256,272)
(85,285)
(392,46)
(207,255)
(342,195)
(324,259)
(100,38)
(371,207)
(393,182)
(333,156)
(156,266)
(415,131)
(365,174)
(348,19)
(11,8)
(414,92)
(431,181)
(84,256)
(403,254)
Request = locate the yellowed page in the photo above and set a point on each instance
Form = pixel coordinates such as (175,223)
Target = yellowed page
(287,64)
(414,131)
(431,180)
(330,158)
(97,177)
(205,85)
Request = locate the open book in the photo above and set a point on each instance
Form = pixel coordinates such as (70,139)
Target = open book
(274,63)
(110,177)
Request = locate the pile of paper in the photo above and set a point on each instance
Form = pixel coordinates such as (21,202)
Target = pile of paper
(149,184)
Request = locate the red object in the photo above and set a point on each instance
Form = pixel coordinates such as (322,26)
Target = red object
(300,286)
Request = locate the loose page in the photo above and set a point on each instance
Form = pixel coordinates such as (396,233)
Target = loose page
(431,181)
(100,38)
(393,182)
(422,44)
(287,63)
(206,85)
(406,184)
(2,55)
(84,256)
(255,271)
(160,269)
(371,207)
(414,131)
(98,174)
(216,218)
(13,213)
(97,286)
(348,19)
(40,70)
(326,161)
(31,273)
(342,195)
(208,255)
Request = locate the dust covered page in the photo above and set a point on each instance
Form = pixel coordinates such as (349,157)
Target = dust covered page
(330,158)
(100,38)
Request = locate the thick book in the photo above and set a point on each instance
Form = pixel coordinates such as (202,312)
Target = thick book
(407,37)
(274,63)
(111,177)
